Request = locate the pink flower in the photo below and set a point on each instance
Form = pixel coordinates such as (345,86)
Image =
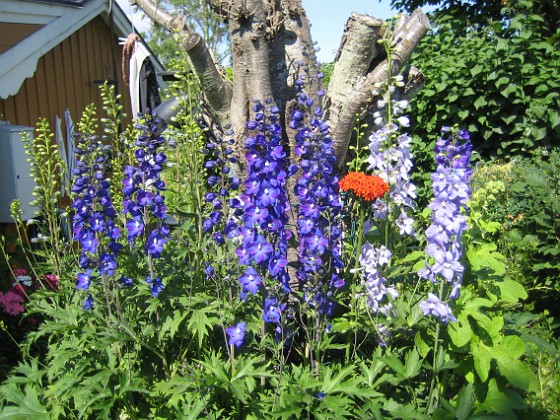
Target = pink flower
(51,281)
(12,303)
(19,272)
(20,290)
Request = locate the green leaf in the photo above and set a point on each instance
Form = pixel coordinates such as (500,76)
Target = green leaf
(29,406)
(412,364)
(476,70)
(395,363)
(507,355)
(330,384)
(199,323)
(508,119)
(482,356)
(511,291)
(172,324)
(465,402)
(542,344)
(422,347)
(479,102)
(502,81)
(509,89)
(460,332)
(440,87)
(502,44)
(486,257)
(22,413)
(517,373)
(501,402)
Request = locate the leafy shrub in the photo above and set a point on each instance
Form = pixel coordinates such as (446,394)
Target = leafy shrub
(499,80)
(522,200)
(247,312)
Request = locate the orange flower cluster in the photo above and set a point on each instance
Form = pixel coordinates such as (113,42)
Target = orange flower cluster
(369,187)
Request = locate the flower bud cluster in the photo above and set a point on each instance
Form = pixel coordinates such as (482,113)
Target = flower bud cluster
(94,216)
(143,202)
(451,193)
(319,230)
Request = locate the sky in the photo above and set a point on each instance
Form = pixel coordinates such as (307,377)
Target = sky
(327,19)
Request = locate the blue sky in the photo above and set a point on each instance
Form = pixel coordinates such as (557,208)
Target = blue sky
(327,19)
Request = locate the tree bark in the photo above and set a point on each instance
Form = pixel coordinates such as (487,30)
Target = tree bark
(355,84)
(271,43)
(217,89)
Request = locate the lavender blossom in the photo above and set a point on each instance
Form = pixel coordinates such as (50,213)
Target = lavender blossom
(437,308)
(444,248)
(393,162)
(390,158)
(372,260)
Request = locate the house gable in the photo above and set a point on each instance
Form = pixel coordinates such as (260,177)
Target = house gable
(62,64)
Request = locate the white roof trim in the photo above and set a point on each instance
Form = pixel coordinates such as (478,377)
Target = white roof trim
(20,61)
(12,11)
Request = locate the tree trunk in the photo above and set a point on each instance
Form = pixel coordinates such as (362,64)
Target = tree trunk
(271,40)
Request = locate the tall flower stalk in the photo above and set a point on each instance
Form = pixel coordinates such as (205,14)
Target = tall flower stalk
(385,215)
(319,231)
(144,203)
(444,269)
(261,215)
(448,222)
(94,217)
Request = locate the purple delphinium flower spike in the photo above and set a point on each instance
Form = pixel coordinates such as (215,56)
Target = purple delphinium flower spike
(451,193)
(318,225)
(93,222)
(262,210)
(143,201)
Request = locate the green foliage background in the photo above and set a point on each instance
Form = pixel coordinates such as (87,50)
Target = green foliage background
(168,357)
(500,80)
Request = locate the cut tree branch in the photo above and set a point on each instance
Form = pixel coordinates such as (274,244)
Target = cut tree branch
(215,85)
(343,111)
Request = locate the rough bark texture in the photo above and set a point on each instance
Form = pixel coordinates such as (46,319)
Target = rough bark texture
(356,91)
(271,39)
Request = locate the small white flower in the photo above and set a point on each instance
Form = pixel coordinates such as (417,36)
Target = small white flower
(404,223)
(26,280)
(403,121)
(403,104)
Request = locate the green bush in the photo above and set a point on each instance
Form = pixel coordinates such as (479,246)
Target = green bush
(500,80)
(522,200)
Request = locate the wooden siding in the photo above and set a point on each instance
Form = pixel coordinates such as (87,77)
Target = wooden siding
(12,33)
(66,77)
